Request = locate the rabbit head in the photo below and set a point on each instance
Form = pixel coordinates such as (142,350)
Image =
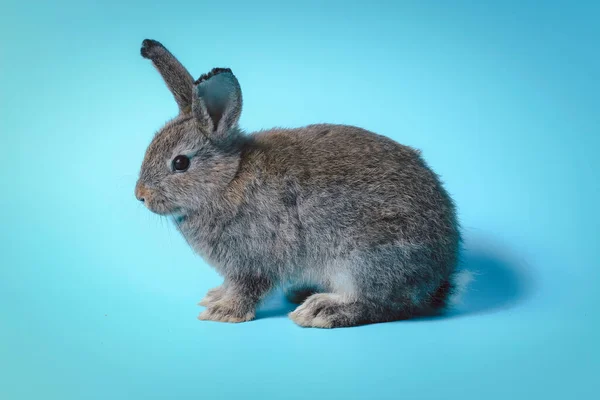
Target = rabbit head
(195,154)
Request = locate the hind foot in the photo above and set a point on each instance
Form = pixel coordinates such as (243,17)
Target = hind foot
(328,310)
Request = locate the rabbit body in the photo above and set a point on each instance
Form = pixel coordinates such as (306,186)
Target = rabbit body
(356,227)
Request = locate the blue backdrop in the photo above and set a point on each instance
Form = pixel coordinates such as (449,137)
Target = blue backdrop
(98,295)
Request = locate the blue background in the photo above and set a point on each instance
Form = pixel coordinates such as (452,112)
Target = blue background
(98,295)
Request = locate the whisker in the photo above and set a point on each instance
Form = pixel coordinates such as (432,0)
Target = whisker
(169,233)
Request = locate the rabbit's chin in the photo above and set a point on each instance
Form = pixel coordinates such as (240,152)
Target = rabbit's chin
(160,209)
(178,215)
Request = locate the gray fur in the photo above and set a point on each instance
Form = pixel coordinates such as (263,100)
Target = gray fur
(332,209)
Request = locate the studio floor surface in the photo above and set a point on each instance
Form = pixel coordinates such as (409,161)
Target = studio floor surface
(98,296)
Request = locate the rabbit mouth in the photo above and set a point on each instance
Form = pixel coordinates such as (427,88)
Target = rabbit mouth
(160,208)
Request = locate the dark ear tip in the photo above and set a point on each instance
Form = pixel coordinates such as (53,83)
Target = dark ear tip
(213,72)
(147,46)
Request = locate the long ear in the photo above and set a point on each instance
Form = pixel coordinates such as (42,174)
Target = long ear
(217,102)
(177,78)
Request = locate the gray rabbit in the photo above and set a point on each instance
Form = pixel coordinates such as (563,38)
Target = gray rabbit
(355,227)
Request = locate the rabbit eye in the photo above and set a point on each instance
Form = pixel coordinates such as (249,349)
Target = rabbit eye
(181,163)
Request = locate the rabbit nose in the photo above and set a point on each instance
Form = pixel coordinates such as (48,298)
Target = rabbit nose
(140,192)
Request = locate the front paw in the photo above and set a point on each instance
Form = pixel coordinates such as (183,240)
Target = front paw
(212,296)
(227,310)
(150,48)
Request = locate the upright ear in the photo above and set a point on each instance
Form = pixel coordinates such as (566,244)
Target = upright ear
(217,102)
(177,78)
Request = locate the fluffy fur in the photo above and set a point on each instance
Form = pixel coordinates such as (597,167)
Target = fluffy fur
(356,226)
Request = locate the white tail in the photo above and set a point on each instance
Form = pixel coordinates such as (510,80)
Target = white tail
(461,280)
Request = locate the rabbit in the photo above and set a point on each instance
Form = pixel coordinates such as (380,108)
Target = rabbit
(355,227)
